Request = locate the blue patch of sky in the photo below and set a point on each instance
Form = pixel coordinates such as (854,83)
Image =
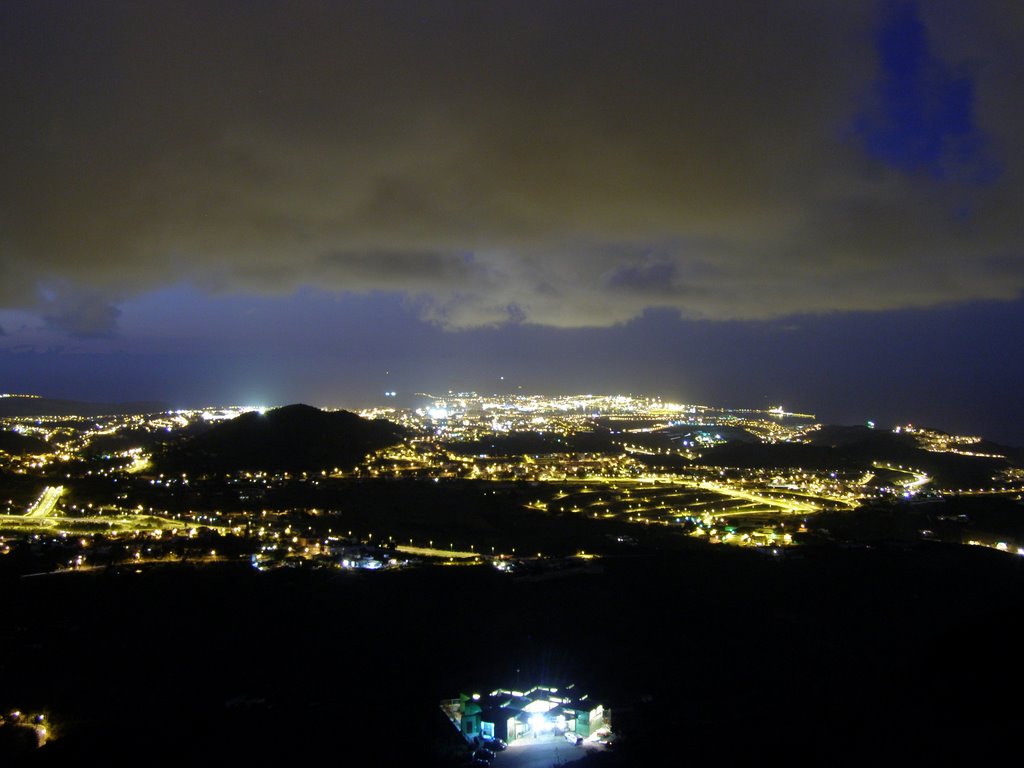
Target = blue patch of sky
(920,118)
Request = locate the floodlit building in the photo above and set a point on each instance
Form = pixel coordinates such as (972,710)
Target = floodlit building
(511,715)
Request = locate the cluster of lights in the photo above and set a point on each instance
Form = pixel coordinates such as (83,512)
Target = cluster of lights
(648,480)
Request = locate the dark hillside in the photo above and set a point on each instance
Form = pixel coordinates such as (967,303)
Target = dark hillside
(294,438)
(859,448)
(17,444)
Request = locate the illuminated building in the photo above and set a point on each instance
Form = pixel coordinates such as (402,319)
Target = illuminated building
(511,715)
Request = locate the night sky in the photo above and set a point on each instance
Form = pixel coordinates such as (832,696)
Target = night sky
(814,203)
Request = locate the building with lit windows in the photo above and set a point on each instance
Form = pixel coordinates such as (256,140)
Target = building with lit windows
(511,715)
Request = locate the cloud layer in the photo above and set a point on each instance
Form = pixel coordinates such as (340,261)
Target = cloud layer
(568,163)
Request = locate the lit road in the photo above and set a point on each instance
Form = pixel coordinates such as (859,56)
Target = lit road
(920,478)
(784,505)
(986,491)
(432,552)
(46,502)
(105,524)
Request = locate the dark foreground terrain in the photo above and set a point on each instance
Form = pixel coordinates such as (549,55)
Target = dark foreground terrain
(831,656)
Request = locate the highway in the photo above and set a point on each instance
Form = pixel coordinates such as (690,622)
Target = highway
(46,502)
(99,524)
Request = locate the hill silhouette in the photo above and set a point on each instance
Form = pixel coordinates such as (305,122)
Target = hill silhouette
(292,438)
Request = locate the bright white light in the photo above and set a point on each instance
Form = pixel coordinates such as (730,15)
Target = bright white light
(437,413)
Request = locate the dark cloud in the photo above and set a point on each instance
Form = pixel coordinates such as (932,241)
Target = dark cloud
(578,161)
(77,313)
(404,270)
(646,279)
